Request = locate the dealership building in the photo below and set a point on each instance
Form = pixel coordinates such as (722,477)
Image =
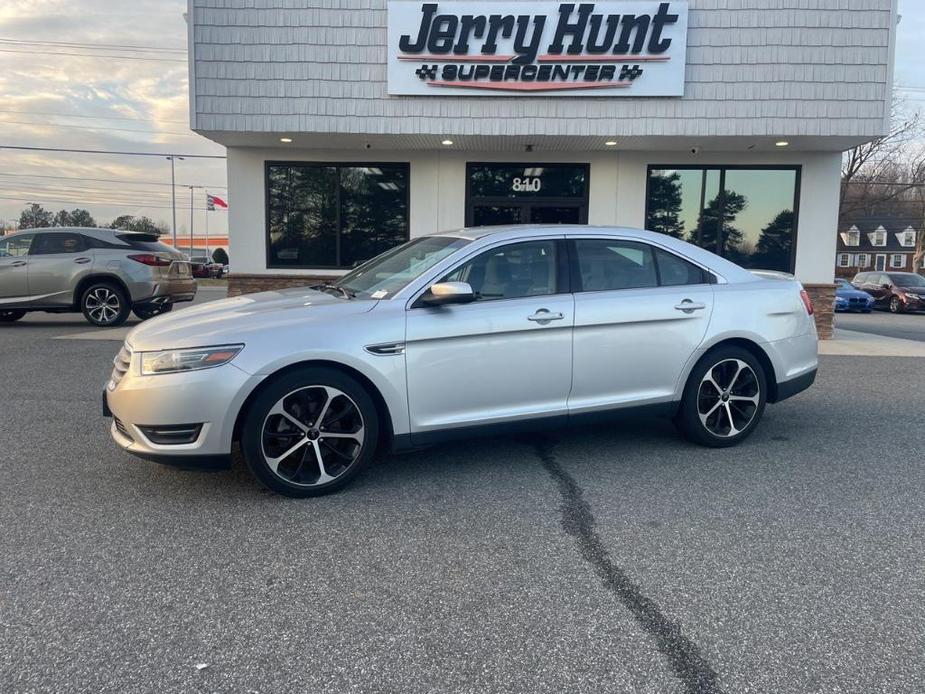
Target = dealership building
(353,125)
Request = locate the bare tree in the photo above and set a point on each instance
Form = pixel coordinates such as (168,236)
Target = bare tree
(883,169)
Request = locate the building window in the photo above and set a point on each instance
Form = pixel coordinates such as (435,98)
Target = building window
(531,193)
(877,237)
(852,237)
(862,260)
(334,215)
(907,238)
(897,260)
(844,260)
(745,214)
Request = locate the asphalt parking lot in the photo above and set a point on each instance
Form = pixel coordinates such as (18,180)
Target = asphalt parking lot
(906,326)
(616,559)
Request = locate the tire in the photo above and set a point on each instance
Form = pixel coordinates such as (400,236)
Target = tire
(146,312)
(714,428)
(866,310)
(896,305)
(10,315)
(281,440)
(105,305)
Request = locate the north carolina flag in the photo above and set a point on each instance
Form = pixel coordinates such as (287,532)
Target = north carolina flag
(213,201)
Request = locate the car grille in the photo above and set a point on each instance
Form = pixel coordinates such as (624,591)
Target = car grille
(120,365)
(857,300)
(121,428)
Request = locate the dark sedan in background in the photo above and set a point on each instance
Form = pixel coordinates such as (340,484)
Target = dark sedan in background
(897,291)
(847,298)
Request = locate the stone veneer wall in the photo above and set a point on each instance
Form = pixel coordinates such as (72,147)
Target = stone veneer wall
(251,284)
(823,295)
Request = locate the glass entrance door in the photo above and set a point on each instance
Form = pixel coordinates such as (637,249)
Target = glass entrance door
(526,194)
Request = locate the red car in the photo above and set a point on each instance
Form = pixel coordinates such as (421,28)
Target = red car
(203,267)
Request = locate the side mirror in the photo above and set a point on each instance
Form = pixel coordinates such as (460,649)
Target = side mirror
(444,293)
(886,286)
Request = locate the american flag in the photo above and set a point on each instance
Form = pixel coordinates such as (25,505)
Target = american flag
(213,201)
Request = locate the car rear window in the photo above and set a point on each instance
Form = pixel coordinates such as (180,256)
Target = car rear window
(145,242)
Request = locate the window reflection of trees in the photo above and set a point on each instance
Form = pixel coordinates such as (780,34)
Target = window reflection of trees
(721,222)
(335,216)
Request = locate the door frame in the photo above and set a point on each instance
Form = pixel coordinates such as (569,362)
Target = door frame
(528,202)
(877,258)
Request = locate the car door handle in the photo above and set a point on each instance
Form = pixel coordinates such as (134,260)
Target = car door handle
(82,260)
(18,263)
(688,306)
(544,316)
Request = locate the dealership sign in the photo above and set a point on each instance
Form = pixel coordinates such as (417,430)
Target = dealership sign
(631,48)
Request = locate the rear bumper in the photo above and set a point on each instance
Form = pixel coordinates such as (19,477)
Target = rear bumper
(787,389)
(172,291)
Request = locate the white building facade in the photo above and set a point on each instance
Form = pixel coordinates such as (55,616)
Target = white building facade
(352,125)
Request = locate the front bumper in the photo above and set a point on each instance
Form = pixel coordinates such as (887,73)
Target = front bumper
(210,398)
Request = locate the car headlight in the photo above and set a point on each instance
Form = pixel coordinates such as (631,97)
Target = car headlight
(175,360)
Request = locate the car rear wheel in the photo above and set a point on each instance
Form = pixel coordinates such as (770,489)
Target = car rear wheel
(8,316)
(146,312)
(724,398)
(310,432)
(105,305)
(896,305)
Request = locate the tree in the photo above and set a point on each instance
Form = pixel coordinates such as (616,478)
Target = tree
(142,224)
(775,243)
(220,255)
(716,222)
(665,205)
(35,217)
(74,218)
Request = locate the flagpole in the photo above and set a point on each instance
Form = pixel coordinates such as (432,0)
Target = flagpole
(208,253)
(191,221)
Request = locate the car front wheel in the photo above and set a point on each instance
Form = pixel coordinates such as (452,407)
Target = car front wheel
(105,305)
(896,305)
(724,398)
(310,432)
(8,316)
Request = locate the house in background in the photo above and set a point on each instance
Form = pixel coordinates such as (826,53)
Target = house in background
(876,244)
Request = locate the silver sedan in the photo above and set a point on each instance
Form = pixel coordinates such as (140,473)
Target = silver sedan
(464,333)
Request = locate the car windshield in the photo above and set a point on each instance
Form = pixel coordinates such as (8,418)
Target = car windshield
(386,274)
(907,279)
(843,284)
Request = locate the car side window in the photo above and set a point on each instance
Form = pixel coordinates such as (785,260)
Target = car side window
(509,272)
(58,242)
(674,271)
(606,264)
(16,245)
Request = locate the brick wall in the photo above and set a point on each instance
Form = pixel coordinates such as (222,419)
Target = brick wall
(251,284)
(823,296)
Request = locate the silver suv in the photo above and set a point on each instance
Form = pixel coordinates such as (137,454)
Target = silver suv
(103,273)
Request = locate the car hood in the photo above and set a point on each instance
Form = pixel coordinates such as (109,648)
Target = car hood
(229,321)
(852,294)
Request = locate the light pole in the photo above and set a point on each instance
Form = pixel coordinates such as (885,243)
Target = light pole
(173,195)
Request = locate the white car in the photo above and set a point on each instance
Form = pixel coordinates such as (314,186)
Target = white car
(461,333)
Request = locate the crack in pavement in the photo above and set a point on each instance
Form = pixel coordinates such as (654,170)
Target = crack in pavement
(687,663)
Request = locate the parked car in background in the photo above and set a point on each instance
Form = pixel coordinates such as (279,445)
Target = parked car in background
(897,291)
(205,268)
(848,298)
(103,273)
(468,332)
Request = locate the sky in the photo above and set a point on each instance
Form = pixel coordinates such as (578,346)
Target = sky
(111,74)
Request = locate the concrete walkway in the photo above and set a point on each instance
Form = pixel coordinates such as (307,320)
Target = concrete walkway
(850,343)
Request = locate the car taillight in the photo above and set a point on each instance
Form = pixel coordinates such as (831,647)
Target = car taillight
(150,259)
(807,302)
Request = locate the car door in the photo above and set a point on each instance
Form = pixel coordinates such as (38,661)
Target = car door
(58,261)
(14,262)
(640,313)
(505,357)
